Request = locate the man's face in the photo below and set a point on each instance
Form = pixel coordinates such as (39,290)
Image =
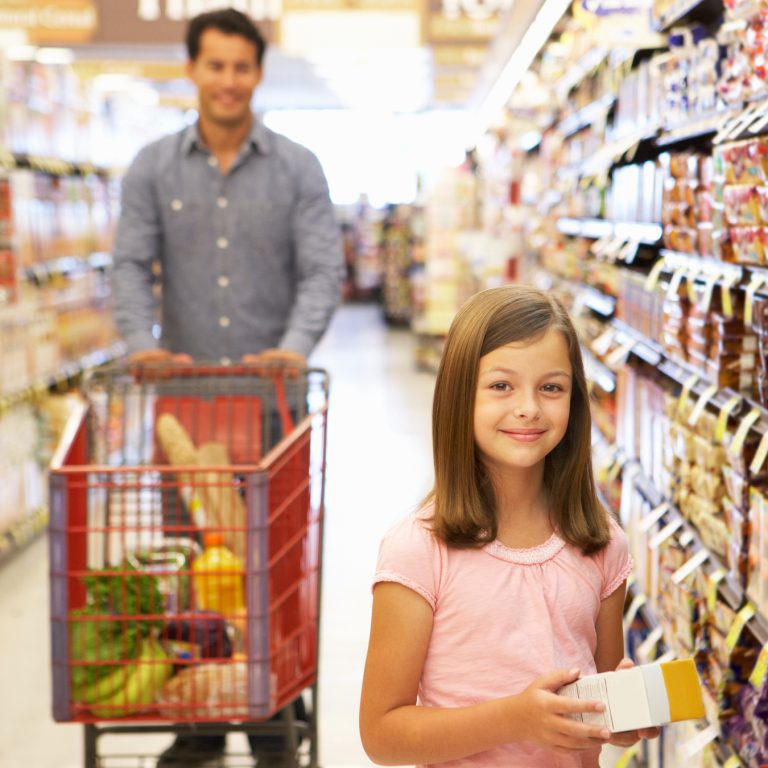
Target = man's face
(226,74)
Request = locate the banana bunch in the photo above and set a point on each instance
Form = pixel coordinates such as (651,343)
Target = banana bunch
(130,688)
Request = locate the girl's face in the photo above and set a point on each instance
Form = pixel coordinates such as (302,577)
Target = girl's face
(523,402)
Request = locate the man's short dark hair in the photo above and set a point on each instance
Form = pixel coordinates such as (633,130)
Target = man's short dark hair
(230,22)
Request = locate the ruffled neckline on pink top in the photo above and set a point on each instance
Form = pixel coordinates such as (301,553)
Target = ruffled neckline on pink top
(530,556)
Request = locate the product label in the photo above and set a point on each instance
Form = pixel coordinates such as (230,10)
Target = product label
(686,392)
(760,671)
(743,430)
(701,404)
(714,579)
(760,454)
(653,277)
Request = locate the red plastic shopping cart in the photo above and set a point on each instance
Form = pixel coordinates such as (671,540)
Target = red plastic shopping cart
(186,548)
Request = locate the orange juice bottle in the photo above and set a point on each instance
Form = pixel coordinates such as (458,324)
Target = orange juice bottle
(218,576)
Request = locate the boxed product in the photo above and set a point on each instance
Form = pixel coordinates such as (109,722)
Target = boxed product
(641,697)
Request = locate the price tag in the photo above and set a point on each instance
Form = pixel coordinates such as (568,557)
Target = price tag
(686,391)
(614,469)
(653,276)
(743,430)
(714,579)
(668,530)
(687,568)
(755,283)
(674,283)
(652,517)
(757,678)
(637,603)
(696,744)
(760,454)
(734,761)
(602,343)
(725,294)
(701,404)
(724,415)
(709,287)
(648,646)
(734,633)
(627,756)
(690,283)
(619,355)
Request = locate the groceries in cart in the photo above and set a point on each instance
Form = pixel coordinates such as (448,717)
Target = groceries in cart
(185,553)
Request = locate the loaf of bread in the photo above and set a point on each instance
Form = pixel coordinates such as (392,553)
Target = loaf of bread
(213,488)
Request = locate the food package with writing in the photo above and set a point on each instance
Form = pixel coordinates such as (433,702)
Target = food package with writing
(641,697)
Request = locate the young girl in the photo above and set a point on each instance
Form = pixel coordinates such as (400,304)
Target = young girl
(509,582)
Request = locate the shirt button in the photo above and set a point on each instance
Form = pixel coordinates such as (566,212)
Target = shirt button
(223,281)
(224,322)
(212,161)
(222,202)
(176,205)
(222,242)
(225,360)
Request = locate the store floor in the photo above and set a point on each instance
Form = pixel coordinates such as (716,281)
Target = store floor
(379,466)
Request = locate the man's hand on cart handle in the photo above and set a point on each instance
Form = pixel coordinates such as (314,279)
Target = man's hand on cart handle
(291,363)
(150,356)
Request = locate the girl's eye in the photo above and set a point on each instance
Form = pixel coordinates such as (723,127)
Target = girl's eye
(552,388)
(500,386)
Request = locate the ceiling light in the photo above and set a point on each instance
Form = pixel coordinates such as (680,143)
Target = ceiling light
(520,60)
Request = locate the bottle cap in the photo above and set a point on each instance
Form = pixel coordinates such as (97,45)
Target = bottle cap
(212,539)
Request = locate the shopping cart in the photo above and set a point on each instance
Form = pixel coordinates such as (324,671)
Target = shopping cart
(158,625)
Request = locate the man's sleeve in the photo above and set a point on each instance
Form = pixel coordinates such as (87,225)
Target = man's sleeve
(319,260)
(137,246)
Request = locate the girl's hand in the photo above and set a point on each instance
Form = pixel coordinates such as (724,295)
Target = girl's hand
(546,720)
(628,738)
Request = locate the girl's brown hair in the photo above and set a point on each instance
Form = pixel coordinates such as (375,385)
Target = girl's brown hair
(463,498)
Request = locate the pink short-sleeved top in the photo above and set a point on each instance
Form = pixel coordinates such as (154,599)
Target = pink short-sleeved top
(502,618)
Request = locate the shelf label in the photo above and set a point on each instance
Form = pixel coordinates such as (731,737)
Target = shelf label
(742,617)
(757,678)
(674,283)
(754,284)
(652,517)
(724,415)
(709,287)
(637,603)
(602,343)
(619,355)
(725,294)
(743,430)
(686,391)
(701,404)
(670,655)
(653,276)
(696,743)
(626,758)
(668,530)
(712,583)
(760,455)
(690,282)
(687,568)
(648,646)
(734,761)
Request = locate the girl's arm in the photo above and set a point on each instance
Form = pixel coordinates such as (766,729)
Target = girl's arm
(397,732)
(609,655)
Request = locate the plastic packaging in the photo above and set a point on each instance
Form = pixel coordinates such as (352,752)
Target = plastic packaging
(218,576)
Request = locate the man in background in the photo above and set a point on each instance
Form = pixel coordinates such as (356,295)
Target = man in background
(240,222)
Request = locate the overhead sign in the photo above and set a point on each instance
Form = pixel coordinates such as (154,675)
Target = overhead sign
(183,10)
(69,21)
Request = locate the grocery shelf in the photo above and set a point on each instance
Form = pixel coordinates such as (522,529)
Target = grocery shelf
(580,69)
(22,532)
(66,373)
(596,229)
(585,116)
(701,126)
(642,347)
(52,165)
(678,10)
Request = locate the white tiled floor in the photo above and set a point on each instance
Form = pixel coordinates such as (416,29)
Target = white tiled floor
(379,467)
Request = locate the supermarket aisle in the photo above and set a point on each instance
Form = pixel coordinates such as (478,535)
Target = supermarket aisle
(379,465)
